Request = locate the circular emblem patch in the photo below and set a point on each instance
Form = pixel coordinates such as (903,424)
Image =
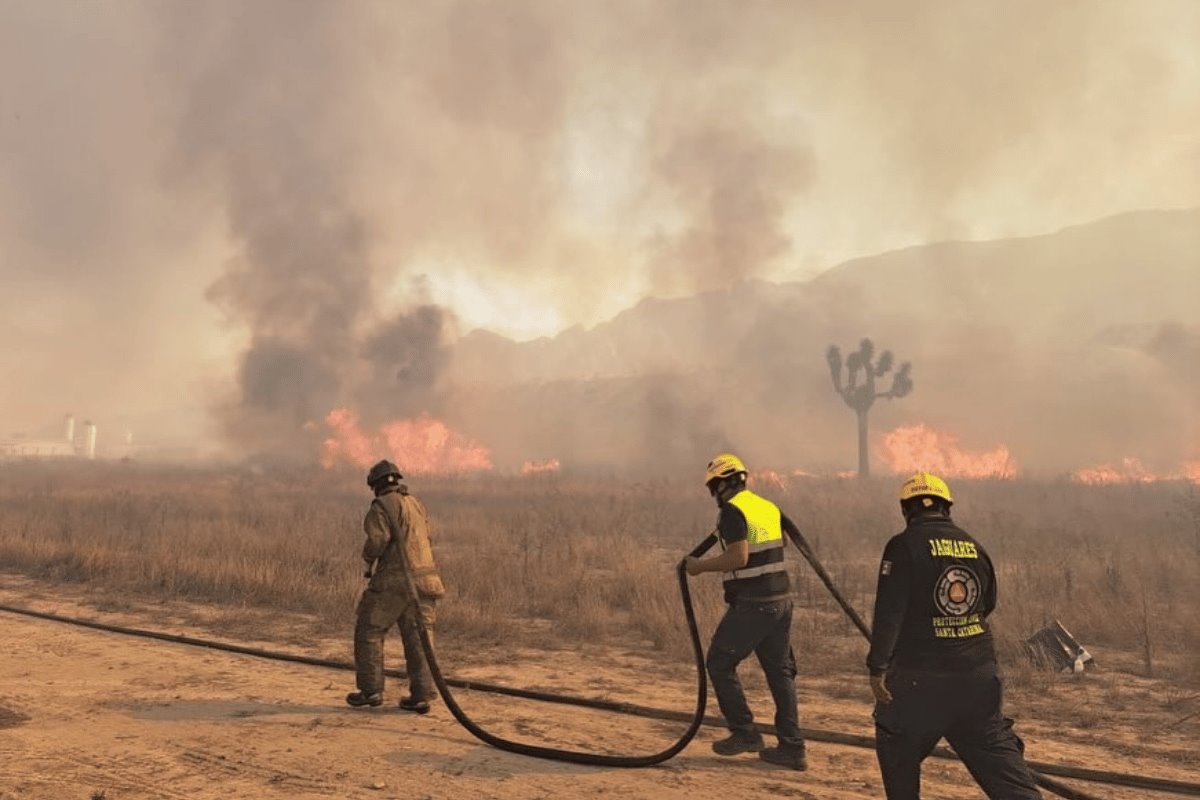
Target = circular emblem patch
(957,591)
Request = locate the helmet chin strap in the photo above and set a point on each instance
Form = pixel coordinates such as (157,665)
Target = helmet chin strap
(727,488)
(385,485)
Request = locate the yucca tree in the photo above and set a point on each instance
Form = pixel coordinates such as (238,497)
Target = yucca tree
(860,392)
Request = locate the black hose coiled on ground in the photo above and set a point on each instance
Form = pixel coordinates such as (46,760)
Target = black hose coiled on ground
(597,759)
(554,753)
(1146,782)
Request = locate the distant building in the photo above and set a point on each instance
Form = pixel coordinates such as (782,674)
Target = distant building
(82,442)
(37,448)
(66,447)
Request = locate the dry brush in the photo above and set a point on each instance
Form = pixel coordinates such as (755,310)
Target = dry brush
(579,560)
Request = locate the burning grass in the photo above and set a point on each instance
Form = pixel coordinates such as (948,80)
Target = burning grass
(557,556)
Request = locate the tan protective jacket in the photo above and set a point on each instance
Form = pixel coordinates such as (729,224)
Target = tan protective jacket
(389,552)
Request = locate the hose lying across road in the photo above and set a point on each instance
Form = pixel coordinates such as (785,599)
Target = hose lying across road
(1183,788)
(538,751)
(599,759)
(553,753)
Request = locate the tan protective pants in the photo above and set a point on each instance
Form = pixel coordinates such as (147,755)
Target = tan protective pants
(378,611)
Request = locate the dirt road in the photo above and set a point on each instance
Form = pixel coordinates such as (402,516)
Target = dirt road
(86,714)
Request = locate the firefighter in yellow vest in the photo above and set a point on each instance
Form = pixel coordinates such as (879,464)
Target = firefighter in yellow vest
(386,601)
(759,618)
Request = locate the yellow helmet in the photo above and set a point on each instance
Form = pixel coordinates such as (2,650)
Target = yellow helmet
(924,483)
(724,465)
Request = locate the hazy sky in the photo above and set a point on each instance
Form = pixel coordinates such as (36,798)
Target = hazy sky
(182,181)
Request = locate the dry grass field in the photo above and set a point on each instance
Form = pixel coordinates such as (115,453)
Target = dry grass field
(571,559)
(557,582)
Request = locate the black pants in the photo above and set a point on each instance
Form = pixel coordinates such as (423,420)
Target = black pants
(965,708)
(765,630)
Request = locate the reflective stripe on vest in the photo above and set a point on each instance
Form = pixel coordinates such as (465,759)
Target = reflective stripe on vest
(764,534)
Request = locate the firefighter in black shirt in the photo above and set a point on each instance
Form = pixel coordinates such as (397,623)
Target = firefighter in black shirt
(759,618)
(932,660)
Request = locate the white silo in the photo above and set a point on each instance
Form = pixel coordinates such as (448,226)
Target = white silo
(89,440)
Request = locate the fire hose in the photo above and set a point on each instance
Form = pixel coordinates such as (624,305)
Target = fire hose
(597,759)
(553,753)
(1042,769)
(1109,777)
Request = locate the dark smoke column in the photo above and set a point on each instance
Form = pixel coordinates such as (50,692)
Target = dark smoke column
(861,396)
(272,100)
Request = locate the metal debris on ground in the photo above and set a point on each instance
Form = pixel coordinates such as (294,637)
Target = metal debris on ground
(1054,648)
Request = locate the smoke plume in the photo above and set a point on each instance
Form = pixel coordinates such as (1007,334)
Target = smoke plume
(250,213)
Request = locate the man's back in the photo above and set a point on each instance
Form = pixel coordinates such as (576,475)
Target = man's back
(932,660)
(757,521)
(411,542)
(937,587)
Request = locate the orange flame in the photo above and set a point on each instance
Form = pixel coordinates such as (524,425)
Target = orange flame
(420,444)
(347,443)
(918,447)
(767,477)
(777,480)
(534,467)
(1132,470)
(425,444)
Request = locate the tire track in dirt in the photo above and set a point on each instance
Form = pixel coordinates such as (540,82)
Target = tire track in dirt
(66,772)
(212,762)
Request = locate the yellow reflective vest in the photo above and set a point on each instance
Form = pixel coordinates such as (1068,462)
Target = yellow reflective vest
(765,574)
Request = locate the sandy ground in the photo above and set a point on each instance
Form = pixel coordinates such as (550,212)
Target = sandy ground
(87,714)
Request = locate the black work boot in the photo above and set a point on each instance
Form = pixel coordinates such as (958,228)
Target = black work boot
(738,742)
(785,756)
(411,703)
(360,699)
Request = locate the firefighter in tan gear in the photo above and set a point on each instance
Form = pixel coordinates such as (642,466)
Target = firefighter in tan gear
(386,600)
(759,618)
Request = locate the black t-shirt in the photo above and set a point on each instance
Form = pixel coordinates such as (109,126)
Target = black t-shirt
(936,589)
(731,524)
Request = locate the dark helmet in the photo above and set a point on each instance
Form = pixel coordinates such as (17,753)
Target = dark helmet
(381,472)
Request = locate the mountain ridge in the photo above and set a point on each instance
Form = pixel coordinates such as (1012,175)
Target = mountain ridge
(662,333)
(1072,348)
